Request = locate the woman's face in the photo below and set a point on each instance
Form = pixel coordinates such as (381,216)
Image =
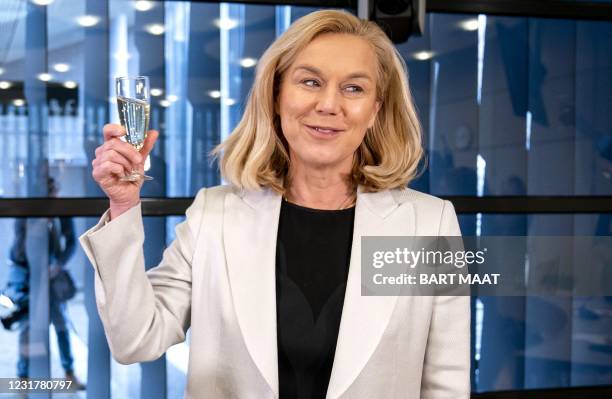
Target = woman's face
(327,101)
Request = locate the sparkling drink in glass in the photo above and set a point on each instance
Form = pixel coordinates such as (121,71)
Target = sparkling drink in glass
(133,103)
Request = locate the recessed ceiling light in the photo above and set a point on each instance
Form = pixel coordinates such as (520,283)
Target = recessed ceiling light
(70,84)
(61,67)
(214,93)
(18,102)
(156,92)
(164,103)
(229,101)
(5,85)
(172,98)
(226,23)
(45,77)
(155,29)
(469,25)
(143,5)
(248,62)
(88,21)
(42,2)
(423,55)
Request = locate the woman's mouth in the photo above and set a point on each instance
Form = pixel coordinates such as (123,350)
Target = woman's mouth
(323,131)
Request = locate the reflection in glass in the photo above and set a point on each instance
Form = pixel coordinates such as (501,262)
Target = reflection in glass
(543,342)
(18,285)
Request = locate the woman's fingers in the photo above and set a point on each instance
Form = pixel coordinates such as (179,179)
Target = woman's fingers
(114,156)
(106,169)
(152,136)
(111,130)
(123,148)
(115,159)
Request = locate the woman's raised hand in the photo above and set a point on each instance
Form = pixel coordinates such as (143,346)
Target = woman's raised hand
(115,159)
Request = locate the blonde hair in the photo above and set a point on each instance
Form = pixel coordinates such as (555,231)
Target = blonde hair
(255,155)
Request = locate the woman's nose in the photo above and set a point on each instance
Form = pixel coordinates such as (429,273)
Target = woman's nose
(328,101)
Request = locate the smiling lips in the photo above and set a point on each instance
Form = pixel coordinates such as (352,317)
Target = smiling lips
(327,130)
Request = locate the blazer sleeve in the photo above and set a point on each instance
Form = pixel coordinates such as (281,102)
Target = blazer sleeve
(446,369)
(143,313)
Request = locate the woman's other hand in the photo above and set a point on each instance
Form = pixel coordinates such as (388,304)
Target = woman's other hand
(115,159)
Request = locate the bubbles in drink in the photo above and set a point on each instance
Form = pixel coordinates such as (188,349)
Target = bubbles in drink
(134,117)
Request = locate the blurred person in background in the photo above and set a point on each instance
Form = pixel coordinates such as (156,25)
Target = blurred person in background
(62,242)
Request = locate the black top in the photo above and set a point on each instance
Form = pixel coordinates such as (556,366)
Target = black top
(312,261)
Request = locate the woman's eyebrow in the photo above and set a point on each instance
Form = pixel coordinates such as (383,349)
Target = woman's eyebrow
(317,71)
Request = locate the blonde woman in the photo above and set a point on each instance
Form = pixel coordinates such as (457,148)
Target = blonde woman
(266,270)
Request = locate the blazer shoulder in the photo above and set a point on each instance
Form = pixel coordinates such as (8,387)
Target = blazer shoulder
(204,198)
(419,199)
(221,189)
(434,216)
(207,194)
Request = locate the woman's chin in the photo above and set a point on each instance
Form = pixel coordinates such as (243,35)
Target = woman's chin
(322,162)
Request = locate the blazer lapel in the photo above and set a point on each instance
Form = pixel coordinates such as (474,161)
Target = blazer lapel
(249,231)
(365,318)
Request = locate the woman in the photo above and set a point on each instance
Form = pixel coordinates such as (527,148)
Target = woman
(266,271)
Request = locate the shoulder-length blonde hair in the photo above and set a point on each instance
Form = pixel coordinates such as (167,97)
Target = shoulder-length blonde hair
(255,155)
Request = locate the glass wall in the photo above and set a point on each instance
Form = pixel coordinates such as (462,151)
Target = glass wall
(58,73)
(514,106)
(543,342)
(518,107)
(509,106)
(75,343)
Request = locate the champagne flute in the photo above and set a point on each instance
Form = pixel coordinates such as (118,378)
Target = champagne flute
(133,102)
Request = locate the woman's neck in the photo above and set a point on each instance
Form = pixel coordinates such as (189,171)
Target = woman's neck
(319,189)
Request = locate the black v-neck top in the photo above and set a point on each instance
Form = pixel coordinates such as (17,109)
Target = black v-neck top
(313,251)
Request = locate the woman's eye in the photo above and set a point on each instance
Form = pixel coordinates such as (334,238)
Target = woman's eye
(310,82)
(354,89)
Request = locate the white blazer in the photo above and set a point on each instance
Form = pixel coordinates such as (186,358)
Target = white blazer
(218,278)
